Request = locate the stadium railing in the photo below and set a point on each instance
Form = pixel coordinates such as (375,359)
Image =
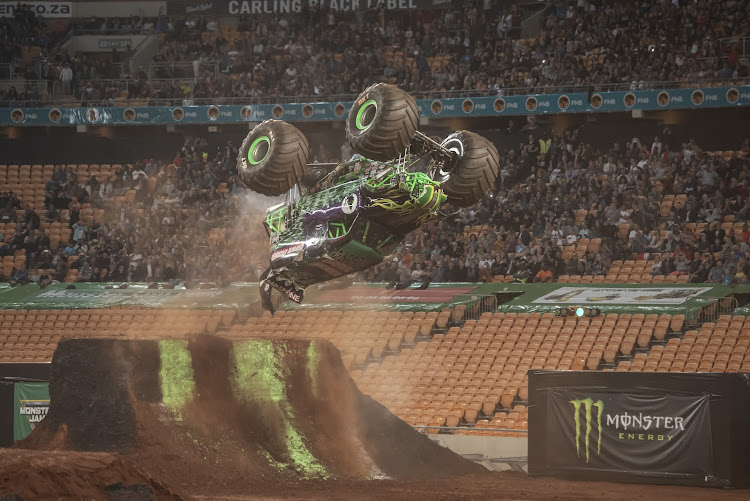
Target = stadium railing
(124,83)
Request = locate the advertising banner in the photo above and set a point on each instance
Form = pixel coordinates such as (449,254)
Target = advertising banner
(30,406)
(619,101)
(249,7)
(371,295)
(646,427)
(638,430)
(634,296)
(41,9)
(103,295)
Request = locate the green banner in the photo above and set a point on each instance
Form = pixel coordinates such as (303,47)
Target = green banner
(509,297)
(103,295)
(30,405)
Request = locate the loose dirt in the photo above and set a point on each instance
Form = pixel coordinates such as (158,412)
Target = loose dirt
(76,475)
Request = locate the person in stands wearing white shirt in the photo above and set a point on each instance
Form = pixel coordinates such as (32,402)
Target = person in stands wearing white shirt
(66,77)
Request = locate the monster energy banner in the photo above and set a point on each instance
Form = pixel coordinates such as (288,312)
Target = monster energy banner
(647,427)
(31,402)
(639,430)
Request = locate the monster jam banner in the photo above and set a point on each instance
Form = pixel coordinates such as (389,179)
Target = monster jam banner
(638,431)
(632,296)
(616,101)
(31,402)
(647,427)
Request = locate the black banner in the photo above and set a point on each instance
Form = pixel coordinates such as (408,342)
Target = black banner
(249,7)
(646,427)
(642,431)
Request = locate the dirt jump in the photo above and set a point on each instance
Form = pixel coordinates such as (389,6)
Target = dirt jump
(215,418)
(211,414)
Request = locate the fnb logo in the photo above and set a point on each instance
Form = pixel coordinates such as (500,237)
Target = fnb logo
(586,406)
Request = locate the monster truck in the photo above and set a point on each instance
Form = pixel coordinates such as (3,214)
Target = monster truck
(343,218)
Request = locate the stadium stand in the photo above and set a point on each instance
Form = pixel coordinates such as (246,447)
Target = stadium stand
(643,216)
(32,335)
(472,373)
(432,369)
(466,50)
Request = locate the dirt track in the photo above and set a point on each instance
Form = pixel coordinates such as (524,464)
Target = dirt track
(84,475)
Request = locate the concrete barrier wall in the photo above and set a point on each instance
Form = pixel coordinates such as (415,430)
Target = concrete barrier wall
(495,453)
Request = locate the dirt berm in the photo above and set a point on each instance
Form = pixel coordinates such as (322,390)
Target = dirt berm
(211,414)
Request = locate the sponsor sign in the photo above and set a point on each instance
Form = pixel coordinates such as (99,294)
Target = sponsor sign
(712,97)
(250,7)
(287,251)
(645,427)
(286,287)
(96,296)
(114,43)
(41,9)
(638,430)
(30,406)
(632,296)
(372,295)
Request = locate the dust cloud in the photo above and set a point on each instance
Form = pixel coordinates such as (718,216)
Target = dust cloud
(246,237)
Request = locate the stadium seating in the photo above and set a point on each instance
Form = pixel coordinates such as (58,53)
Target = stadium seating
(431,369)
(32,336)
(358,335)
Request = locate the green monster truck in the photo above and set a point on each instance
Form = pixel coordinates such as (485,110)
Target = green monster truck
(344,218)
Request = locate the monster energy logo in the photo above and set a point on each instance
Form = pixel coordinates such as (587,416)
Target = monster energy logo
(588,404)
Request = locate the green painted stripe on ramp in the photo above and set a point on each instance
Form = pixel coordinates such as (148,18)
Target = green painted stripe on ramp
(176,375)
(259,378)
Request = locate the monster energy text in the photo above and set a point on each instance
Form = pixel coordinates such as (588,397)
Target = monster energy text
(641,422)
(634,425)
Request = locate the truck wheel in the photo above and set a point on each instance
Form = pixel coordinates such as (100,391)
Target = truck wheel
(382,122)
(473,174)
(272,158)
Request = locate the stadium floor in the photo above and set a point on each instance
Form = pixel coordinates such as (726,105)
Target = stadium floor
(58,473)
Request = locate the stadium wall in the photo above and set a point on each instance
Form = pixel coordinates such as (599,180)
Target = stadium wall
(508,297)
(712,130)
(494,453)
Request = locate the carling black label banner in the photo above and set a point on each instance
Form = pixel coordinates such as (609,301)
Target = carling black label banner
(638,431)
(250,7)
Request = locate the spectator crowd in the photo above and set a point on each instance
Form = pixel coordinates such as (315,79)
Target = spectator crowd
(531,215)
(172,231)
(190,221)
(165,235)
(585,43)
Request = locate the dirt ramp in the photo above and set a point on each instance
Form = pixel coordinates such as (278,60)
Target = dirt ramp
(210,411)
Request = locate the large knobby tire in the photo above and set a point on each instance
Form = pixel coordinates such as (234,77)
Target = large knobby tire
(382,122)
(474,173)
(272,158)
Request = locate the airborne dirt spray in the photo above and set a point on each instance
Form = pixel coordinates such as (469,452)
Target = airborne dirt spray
(247,240)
